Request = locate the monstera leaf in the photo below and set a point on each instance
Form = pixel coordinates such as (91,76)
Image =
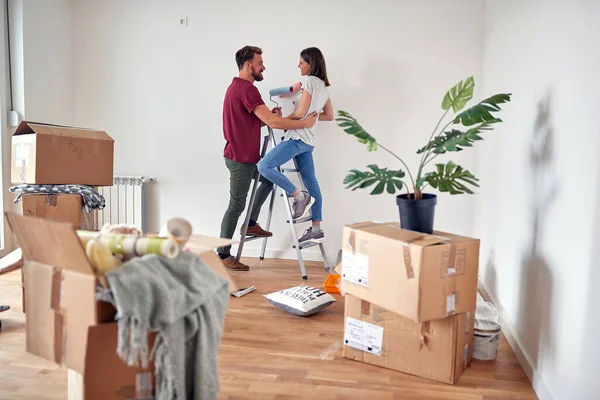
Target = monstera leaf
(385,179)
(451,178)
(459,95)
(455,140)
(352,127)
(482,112)
(458,128)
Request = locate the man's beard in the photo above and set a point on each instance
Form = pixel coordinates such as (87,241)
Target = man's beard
(257,75)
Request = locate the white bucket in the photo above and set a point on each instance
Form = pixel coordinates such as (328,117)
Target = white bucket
(485,341)
(487,332)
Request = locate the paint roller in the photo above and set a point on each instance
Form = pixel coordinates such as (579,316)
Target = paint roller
(285,91)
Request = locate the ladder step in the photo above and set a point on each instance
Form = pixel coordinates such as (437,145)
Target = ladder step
(306,245)
(251,238)
(301,220)
(289,170)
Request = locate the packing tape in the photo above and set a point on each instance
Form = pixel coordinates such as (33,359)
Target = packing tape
(23,172)
(51,200)
(353,228)
(451,280)
(452,258)
(450,267)
(423,335)
(55,300)
(86,222)
(410,271)
(378,315)
(55,289)
(352,241)
(95,147)
(329,352)
(365,308)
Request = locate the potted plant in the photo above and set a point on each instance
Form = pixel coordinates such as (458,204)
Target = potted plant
(416,207)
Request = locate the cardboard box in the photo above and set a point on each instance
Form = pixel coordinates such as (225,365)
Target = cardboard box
(107,377)
(60,207)
(65,324)
(422,277)
(53,154)
(439,350)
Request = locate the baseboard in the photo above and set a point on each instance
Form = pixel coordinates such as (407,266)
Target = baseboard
(290,254)
(509,331)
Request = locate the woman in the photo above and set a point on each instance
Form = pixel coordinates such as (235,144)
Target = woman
(299,144)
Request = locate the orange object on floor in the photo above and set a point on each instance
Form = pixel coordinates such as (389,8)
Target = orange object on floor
(330,283)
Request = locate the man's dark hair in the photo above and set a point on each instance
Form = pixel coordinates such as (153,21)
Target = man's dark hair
(246,53)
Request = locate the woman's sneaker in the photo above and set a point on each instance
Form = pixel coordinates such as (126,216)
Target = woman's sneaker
(311,236)
(301,204)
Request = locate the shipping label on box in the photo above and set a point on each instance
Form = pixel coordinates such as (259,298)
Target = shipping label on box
(419,276)
(356,268)
(363,336)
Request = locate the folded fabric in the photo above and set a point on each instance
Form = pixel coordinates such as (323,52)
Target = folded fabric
(184,301)
(92,200)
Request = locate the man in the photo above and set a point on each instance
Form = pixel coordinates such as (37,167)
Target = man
(244,113)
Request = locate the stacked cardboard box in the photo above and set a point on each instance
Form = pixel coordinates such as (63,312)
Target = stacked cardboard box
(47,154)
(53,154)
(60,207)
(410,299)
(44,154)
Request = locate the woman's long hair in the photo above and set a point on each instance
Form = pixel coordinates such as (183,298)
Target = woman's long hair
(315,59)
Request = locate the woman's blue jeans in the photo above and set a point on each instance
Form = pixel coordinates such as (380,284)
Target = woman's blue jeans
(302,153)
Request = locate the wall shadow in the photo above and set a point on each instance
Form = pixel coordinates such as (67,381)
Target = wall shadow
(533,323)
(490,280)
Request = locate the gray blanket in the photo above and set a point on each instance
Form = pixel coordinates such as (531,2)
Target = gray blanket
(184,301)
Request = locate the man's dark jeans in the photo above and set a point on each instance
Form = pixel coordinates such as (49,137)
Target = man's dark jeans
(240,180)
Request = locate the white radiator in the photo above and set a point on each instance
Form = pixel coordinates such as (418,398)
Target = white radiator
(124,201)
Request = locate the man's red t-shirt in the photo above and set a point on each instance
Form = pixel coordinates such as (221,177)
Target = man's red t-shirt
(241,127)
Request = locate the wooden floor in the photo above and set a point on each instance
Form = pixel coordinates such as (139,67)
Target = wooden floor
(269,354)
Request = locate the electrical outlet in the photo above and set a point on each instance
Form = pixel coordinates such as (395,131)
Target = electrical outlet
(183,22)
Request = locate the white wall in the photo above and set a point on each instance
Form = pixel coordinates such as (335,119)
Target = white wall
(5,200)
(15,8)
(538,210)
(48,61)
(41,73)
(158,90)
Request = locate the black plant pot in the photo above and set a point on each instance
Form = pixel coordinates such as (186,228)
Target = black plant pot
(417,215)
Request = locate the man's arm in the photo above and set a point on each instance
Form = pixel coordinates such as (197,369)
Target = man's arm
(276,122)
(302,106)
(276,111)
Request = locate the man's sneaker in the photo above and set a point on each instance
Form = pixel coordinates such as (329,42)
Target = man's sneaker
(257,231)
(234,265)
(314,237)
(302,204)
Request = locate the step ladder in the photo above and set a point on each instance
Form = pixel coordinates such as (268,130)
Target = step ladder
(270,138)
